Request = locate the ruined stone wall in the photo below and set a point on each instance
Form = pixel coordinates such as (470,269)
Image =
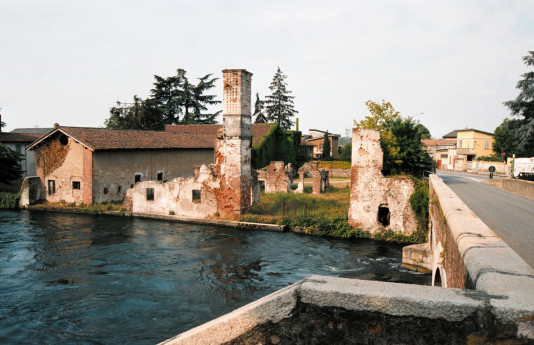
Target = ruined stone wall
(114,171)
(193,197)
(275,177)
(377,203)
(320,178)
(233,151)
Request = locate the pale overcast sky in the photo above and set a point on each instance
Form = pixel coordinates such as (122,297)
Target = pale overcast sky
(449,63)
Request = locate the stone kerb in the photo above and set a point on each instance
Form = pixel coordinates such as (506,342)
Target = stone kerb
(421,310)
(492,266)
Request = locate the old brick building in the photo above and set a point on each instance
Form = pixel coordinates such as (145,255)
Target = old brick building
(98,165)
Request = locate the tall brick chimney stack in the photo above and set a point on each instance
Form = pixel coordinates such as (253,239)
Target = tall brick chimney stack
(234,152)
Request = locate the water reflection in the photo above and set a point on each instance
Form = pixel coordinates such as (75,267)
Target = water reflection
(86,279)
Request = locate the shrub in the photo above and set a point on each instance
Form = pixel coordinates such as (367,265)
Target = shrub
(9,200)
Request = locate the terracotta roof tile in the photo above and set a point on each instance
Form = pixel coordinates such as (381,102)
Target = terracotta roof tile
(259,130)
(10,137)
(174,137)
(114,139)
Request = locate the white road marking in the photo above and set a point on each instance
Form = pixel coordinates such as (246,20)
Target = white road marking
(474,179)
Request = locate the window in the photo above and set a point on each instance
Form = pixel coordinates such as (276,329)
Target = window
(196,196)
(51,187)
(106,190)
(75,184)
(150,194)
(119,189)
(160,176)
(137,178)
(486,145)
(459,144)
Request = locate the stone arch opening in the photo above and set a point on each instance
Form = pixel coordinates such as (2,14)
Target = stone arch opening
(383,214)
(437,278)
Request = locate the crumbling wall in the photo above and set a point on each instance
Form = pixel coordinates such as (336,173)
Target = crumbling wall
(320,178)
(186,197)
(276,178)
(30,191)
(377,203)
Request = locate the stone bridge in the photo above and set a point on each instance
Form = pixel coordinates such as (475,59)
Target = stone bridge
(487,297)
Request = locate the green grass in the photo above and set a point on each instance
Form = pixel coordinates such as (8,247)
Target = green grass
(94,208)
(323,215)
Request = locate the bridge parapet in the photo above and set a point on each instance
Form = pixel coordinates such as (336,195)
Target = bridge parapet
(468,254)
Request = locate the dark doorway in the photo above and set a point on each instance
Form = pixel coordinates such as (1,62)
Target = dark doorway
(383,214)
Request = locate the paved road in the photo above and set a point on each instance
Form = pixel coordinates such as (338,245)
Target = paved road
(509,215)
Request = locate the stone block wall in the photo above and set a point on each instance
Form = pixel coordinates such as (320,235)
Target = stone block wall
(521,187)
(377,203)
(329,310)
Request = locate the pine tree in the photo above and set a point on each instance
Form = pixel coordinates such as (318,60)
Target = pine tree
(258,110)
(280,104)
(174,100)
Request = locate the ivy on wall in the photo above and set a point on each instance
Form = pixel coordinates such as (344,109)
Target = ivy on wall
(278,145)
(52,153)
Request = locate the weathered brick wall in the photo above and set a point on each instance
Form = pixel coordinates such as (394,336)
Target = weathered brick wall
(62,162)
(115,171)
(371,191)
(275,177)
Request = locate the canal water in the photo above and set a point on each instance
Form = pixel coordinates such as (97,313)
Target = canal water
(81,279)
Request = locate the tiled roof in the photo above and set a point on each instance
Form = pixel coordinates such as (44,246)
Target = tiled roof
(452,134)
(32,130)
(115,139)
(174,137)
(438,142)
(259,130)
(10,137)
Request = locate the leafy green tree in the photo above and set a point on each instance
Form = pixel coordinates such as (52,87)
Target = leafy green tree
(425,133)
(326,147)
(400,139)
(258,110)
(10,168)
(142,114)
(523,107)
(174,100)
(279,105)
(505,138)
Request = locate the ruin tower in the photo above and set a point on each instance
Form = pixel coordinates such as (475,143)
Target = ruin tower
(234,148)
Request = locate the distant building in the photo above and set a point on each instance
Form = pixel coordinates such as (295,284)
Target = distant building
(438,150)
(470,144)
(315,138)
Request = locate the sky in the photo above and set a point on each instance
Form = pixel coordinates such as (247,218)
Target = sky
(448,64)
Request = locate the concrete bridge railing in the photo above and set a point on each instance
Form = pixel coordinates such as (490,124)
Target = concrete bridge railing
(495,303)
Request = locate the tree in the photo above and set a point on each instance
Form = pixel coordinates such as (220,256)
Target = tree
(279,105)
(174,100)
(142,114)
(400,139)
(345,153)
(326,147)
(379,114)
(521,131)
(258,110)
(505,137)
(10,168)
